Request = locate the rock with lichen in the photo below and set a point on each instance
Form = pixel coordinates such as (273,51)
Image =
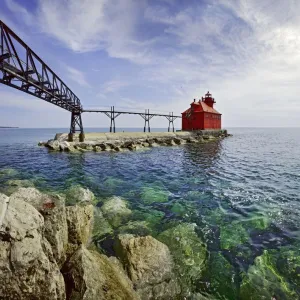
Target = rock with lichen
(92,276)
(28,269)
(149,265)
(52,208)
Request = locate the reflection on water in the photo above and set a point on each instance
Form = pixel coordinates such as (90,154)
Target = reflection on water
(242,192)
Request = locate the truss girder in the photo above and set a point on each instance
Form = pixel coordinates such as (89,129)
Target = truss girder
(22,69)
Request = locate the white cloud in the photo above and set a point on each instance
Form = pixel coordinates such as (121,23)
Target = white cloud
(245,52)
(77,76)
(113,86)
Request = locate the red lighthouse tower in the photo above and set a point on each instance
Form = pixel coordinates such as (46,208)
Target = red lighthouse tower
(201,115)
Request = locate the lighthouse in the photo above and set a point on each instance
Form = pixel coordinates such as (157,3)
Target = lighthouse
(201,115)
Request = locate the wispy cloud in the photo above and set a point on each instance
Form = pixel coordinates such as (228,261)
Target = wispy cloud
(243,51)
(77,76)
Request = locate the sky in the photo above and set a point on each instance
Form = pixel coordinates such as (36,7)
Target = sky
(160,55)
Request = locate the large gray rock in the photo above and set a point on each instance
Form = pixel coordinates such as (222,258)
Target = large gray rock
(27,266)
(53,145)
(115,210)
(92,276)
(79,220)
(149,265)
(52,207)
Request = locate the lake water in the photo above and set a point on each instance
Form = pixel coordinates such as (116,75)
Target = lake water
(243,193)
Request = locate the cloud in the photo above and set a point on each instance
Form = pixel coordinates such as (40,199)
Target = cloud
(245,52)
(77,76)
(18,9)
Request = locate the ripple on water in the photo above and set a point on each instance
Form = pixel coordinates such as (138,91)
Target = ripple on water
(242,192)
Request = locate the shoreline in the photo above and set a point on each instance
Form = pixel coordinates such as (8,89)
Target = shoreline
(130,141)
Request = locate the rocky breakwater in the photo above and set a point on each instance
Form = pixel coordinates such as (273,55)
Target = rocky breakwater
(47,251)
(125,141)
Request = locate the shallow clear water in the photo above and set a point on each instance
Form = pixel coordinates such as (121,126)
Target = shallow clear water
(243,192)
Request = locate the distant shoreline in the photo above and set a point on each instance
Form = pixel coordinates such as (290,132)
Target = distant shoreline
(7,127)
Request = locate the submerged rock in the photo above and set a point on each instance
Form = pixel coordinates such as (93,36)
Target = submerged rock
(13,185)
(101,227)
(27,266)
(233,235)
(220,277)
(263,281)
(189,253)
(111,184)
(151,195)
(20,183)
(8,172)
(115,210)
(78,195)
(92,276)
(149,265)
(140,228)
(150,216)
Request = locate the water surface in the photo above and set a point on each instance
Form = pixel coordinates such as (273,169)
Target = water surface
(242,192)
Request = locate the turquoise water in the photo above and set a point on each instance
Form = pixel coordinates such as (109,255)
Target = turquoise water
(243,193)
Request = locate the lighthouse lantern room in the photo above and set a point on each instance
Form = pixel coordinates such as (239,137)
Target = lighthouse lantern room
(201,115)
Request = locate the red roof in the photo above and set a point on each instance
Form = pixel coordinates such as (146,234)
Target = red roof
(203,107)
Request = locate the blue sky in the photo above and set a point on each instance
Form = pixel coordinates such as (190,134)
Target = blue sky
(161,54)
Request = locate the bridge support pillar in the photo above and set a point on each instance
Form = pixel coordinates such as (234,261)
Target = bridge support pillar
(147,117)
(76,126)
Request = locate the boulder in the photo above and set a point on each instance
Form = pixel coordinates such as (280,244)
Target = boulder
(27,266)
(149,265)
(79,195)
(79,220)
(115,210)
(171,142)
(189,253)
(92,276)
(55,223)
(64,145)
(53,145)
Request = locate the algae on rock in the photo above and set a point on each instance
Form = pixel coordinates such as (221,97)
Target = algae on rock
(188,250)
(263,281)
(101,227)
(151,195)
(220,275)
(233,235)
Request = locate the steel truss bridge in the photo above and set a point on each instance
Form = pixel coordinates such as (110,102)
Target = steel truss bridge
(21,68)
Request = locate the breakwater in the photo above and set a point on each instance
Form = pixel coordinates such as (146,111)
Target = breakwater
(130,140)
